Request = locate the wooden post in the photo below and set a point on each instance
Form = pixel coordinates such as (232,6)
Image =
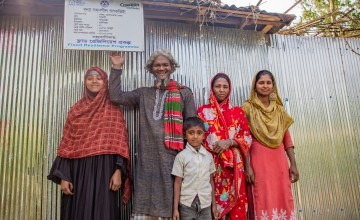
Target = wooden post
(332,9)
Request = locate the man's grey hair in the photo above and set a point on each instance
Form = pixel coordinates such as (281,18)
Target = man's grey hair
(161,52)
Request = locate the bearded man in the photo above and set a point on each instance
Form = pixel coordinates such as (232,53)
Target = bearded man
(163,108)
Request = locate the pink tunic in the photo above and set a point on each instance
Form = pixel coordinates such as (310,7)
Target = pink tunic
(271,192)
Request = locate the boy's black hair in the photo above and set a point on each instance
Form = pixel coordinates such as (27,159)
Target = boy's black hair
(192,122)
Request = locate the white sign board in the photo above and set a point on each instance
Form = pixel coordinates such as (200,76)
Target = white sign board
(114,25)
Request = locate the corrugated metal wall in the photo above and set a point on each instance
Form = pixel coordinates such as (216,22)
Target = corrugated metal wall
(318,80)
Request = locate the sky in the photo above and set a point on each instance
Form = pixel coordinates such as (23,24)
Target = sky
(279,6)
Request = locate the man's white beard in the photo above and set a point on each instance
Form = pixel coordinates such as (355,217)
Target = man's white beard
(162,83)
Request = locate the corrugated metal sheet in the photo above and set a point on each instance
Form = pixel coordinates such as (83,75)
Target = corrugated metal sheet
(181,11)
(285,17)
(317,77)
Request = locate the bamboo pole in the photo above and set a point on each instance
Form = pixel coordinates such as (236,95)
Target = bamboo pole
(296,3)
(332,17)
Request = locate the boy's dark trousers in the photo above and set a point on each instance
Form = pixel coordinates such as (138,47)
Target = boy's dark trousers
(195,212)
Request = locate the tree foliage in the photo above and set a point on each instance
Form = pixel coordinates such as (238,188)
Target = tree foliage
(341,18)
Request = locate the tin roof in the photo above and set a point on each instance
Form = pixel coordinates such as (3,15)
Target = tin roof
(185,11)
(246,18)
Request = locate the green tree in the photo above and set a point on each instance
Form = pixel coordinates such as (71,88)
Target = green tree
(330,18)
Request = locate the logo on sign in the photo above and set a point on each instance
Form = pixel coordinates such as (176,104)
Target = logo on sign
(76,2)
(130,5)
(104,3)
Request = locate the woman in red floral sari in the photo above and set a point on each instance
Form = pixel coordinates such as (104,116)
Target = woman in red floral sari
(228,139)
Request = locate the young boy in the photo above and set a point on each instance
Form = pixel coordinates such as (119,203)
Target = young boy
(193,170)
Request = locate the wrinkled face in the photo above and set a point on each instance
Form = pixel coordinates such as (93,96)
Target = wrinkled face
(195,136)
(162,68)
(94,83)
(221,89)
(264,86)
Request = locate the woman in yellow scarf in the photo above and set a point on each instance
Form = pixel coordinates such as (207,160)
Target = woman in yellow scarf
(267,169)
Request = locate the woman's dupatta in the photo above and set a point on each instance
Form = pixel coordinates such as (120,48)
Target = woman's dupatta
(267,124)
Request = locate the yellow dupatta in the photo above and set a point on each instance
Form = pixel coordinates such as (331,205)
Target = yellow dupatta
(267,124)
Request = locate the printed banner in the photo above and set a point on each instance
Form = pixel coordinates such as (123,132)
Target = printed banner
(104,25)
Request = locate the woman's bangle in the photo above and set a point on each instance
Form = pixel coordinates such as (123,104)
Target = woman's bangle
(231,143)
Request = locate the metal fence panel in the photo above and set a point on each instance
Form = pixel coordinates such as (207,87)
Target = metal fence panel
(317,77)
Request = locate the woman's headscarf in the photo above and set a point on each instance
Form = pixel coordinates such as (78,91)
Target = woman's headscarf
(95,126)
(267,124)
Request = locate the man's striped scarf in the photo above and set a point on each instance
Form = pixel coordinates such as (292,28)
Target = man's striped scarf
(173,118)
